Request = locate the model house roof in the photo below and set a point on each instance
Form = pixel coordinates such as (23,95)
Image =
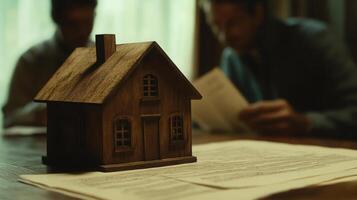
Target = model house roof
(91,77)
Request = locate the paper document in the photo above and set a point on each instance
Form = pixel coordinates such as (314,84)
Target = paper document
(24,131)
(244,169)
(132,185)
(250,163)
(221,103)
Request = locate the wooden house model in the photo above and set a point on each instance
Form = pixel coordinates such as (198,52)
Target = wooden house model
(118,107)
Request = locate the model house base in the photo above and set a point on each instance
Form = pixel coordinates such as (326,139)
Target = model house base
(85,164)
(147,164)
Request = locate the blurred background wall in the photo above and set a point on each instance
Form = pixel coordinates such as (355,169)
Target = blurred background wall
(171,23)
(340,15)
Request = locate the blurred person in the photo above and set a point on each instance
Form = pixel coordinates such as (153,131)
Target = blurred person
(74,21)
(297,76)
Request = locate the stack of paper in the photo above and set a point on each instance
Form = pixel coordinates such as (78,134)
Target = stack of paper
(243,169)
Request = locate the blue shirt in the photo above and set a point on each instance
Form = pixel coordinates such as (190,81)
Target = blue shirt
(303,63)
(241,76)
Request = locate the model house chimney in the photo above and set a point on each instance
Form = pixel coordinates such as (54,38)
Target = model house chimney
(105,47)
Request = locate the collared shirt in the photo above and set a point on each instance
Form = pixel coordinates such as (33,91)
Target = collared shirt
(302,62)
(33,69)
(241,76)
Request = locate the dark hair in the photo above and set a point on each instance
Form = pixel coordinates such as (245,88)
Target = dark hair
(58,7)
(249,5)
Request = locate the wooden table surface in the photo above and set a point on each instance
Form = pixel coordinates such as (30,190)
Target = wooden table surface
(22,155)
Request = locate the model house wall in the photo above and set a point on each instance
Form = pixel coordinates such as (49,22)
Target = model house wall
(133,106)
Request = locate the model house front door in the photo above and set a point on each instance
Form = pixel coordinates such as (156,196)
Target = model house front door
(150,128)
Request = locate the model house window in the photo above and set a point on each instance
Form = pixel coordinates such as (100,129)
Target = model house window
(122,133)
(176,127)
(150,84)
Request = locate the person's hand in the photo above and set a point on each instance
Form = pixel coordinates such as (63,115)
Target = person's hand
(275,117)
(32,114)
(40,114)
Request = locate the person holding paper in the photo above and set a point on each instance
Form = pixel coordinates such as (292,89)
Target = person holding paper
(297,76)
